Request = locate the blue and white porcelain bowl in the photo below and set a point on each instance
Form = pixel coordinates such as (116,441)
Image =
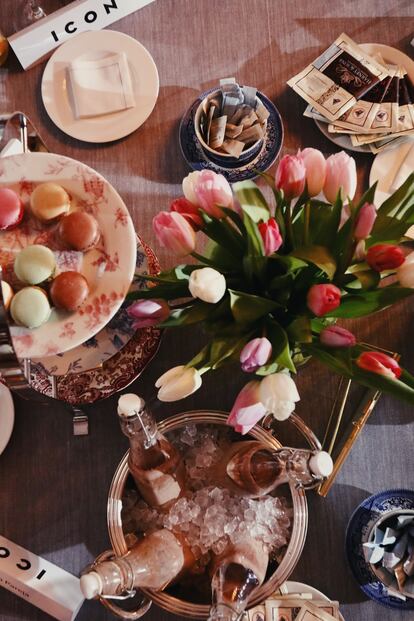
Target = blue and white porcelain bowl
(368,514)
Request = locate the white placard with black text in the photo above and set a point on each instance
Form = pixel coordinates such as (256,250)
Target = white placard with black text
(38,40)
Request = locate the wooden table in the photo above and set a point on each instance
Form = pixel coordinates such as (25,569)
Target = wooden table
(53,485)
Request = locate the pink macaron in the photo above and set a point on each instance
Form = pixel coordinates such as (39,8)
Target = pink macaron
(11,209)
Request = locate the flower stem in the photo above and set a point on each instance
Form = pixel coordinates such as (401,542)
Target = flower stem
(289,228)
(307,220)
(203,259)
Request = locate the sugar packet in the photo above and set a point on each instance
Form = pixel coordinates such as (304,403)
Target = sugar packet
(338,78)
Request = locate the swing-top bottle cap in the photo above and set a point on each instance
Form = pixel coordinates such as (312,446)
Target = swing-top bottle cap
(91,585)
(321,464)
(130,404)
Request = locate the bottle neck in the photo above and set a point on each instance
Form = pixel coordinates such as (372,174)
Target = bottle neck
(142,431)
(231,586)
(223,612)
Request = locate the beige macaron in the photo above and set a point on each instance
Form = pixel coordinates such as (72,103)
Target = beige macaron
(34,264)
(30,307)
(49,201)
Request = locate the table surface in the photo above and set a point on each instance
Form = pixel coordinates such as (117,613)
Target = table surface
(54,486)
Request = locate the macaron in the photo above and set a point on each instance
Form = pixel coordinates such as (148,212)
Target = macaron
(34,264)
(30,307)
(69,290)
(11,209)
(49,201)
(79,231)
(7,293)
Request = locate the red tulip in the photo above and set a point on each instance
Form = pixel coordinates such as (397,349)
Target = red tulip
(365,221)
(272,239)
(189,211)
(315,165)
(384,257)
(335,336)
(322,299)
(174,232)
(290,176)
(380,363)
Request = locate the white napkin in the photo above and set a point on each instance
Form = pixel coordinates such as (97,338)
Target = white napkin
(406,168)
(101,86)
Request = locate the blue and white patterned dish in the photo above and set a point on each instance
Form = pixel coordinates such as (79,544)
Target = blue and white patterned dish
(198,160)
(357,534)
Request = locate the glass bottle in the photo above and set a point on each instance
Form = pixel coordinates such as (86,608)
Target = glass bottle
(237,572)
(154,562)
(252,469)
(4,48)
(155,464)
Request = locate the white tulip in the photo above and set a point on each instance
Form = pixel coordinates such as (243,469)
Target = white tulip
(188,186)
(178,383)
(278,393)
(207,284)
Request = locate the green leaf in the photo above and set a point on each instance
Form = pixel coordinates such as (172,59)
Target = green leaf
(280,346)
(319,256)
(165,291)
(248,308)
(368,196)
(199,311)
(364,279)
(224,234)
(300,330)
(393,203)
(290,262)
(339,360)
(368,302)
(254,239)
(251,200)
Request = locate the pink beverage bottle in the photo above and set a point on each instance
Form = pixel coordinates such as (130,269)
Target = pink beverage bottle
(250,468)
(237,572)
(154,562)
(155,464)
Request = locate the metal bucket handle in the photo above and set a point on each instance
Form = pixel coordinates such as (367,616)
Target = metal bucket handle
(108,602)
(268,423)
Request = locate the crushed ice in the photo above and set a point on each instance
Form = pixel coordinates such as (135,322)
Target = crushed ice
(211,517)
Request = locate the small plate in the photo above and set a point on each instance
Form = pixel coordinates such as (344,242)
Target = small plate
(392,56)
(108,127)
(110,340)
(108,268)
(197,159)
(6,416)
(115,373)
(299,587)
(358,530)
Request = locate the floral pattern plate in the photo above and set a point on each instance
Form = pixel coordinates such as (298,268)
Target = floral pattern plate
(197,159)
(109,268)
(113,375)
(111,339)
(358,530)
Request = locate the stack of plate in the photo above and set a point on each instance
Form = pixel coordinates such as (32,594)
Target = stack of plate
(91,353)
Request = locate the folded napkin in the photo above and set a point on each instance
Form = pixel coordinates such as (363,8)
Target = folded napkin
(406,167)
(101,86)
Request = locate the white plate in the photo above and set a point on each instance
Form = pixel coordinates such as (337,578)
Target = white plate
(299,587)
(108,268)
(392,56)
(93,45)
(6,416)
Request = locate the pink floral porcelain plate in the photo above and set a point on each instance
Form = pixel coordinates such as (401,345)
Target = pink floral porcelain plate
(108,268)
(113,375)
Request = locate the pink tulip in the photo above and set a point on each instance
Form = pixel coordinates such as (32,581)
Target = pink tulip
(315,165)
(209,191)
(247,409)
(365,221)
(335,336)
(174,233)
(340,177)
(290,176)
(189,211)
(322,299)
(255,354)
(272,239)
(380,363)
(384,257)
(148,312)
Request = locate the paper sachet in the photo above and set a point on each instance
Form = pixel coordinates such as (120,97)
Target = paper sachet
(338,78)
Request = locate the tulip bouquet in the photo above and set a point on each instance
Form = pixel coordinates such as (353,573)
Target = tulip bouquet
(273,279)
